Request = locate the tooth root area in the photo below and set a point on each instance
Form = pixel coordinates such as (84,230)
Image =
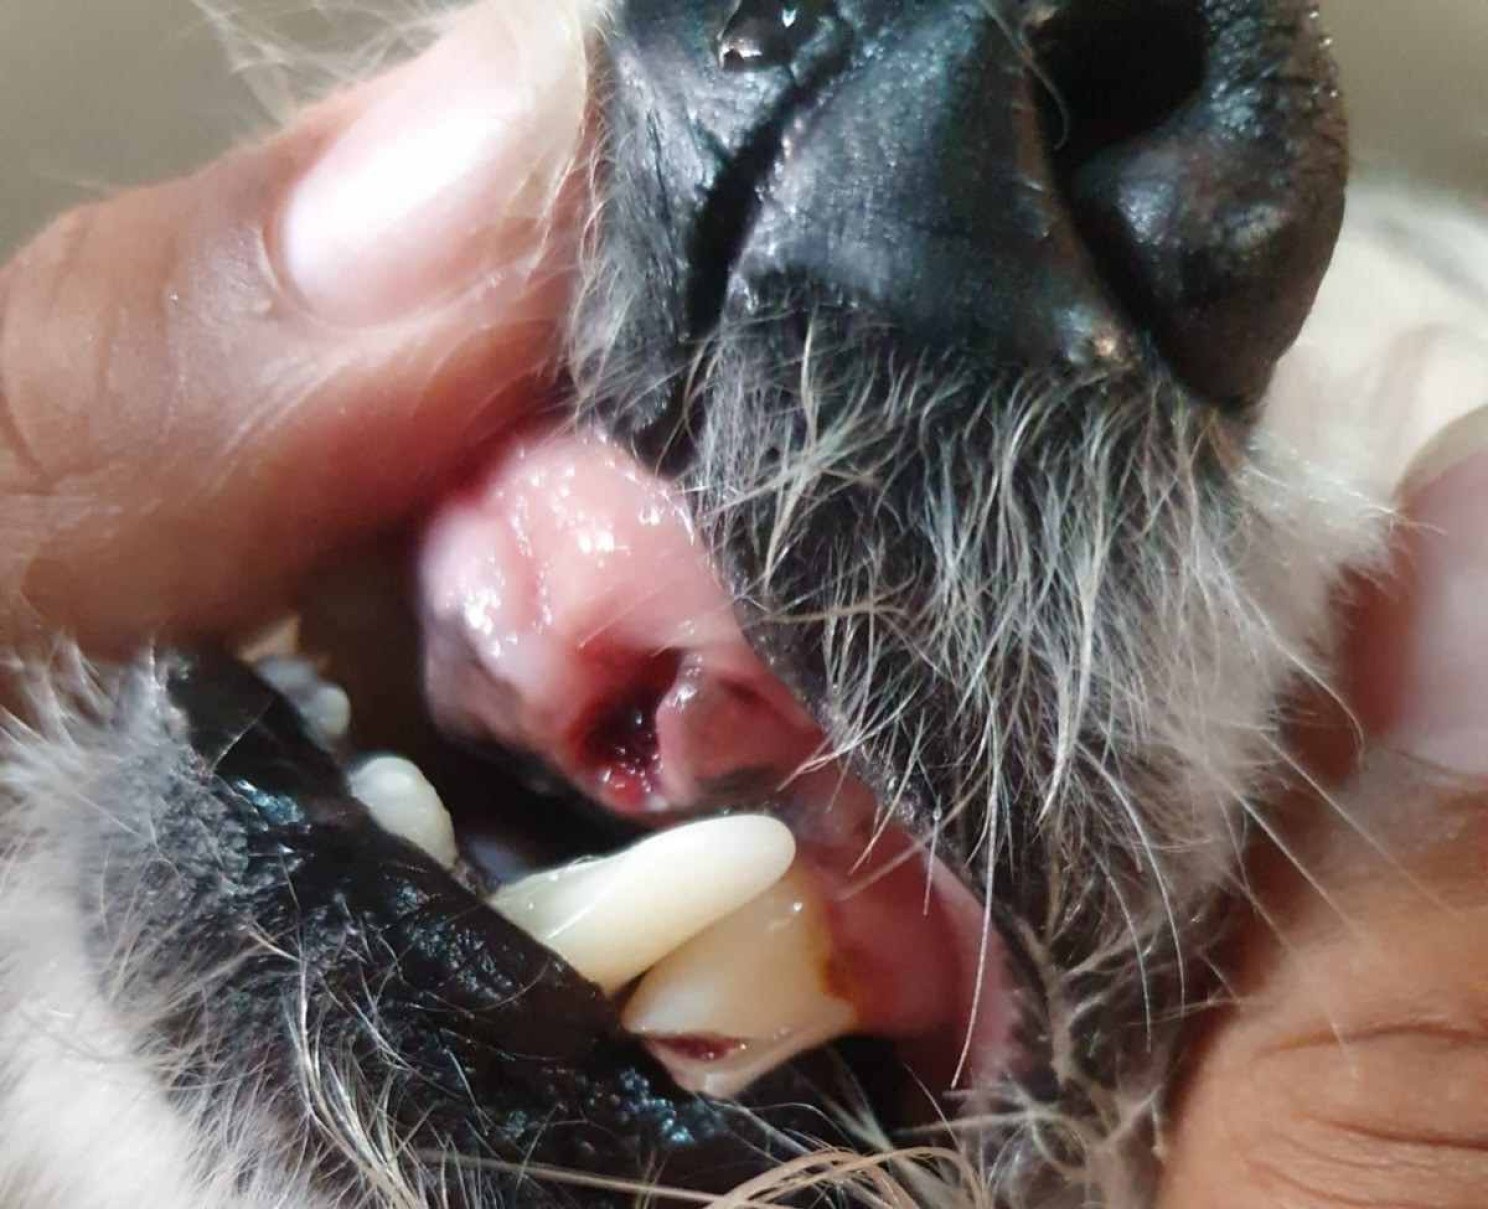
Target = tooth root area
(323,705)
(403,802)
(746,995)
(613,919)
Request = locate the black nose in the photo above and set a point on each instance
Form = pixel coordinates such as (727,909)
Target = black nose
(1201,147)
(1045,185)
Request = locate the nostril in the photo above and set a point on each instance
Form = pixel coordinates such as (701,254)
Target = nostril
(1113,71)
(1200,146)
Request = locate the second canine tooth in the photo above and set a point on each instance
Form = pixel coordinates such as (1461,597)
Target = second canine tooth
(745,996)
(402,802)
(613,919)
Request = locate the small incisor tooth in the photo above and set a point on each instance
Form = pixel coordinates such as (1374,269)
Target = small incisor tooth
(613,919)
(322,704)
(745,996)
(401,801)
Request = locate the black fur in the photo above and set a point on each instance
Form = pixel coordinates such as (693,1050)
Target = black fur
(273,894)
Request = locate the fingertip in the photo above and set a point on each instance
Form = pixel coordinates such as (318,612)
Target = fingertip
(1421,650)
(449,174)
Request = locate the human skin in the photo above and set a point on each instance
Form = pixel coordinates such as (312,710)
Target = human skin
(1349,1067)
(210,384)
(180,366)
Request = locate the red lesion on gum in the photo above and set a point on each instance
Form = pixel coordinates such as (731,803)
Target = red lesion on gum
(670,736)
(616,743)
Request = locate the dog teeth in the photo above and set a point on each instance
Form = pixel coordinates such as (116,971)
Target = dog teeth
(745,996)
(613,919)
(324,706)
(403,803)
(730,943)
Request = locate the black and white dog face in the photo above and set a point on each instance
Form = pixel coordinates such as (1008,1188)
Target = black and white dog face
(938,482)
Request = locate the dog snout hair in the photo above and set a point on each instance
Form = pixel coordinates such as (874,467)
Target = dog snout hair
(958,314)
(1088,188)
(952,336)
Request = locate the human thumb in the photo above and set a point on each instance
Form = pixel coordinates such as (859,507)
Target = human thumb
(1351,1066)
(208,384)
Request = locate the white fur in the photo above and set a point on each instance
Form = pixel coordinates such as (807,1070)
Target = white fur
(84,1117)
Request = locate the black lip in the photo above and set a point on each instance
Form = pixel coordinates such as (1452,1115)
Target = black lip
(277,900)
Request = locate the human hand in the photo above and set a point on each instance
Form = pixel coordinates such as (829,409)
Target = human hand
(207,385)
(1352,1066)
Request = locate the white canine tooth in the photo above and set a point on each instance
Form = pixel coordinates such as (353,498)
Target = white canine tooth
(613,919)
(401,800)
(745,996)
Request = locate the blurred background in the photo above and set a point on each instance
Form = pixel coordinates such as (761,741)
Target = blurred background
(97,94)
